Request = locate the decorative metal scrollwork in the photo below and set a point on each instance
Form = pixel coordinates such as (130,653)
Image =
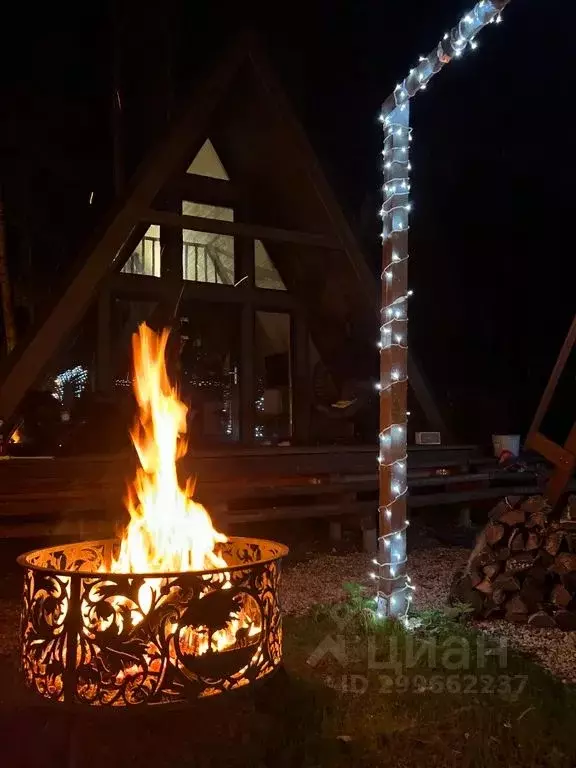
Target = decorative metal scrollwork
(106,639)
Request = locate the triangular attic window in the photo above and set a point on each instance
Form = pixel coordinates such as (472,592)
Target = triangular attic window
(265,273)
(207,163)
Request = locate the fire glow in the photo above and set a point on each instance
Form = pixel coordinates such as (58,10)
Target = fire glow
(168,531)
(174,610)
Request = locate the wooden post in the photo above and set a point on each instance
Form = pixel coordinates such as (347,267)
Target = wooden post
(302,395)
(247,389)
(393,588)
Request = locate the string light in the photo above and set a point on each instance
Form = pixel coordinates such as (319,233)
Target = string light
(74,378)
(395,598)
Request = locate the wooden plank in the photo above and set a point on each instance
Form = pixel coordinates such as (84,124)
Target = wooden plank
(463,497)
(238,228)
(215,492)
(299,513)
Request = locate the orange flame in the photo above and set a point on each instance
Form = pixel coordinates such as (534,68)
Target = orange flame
(16,437)
(168,531)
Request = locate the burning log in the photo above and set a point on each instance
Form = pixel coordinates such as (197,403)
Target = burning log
(523,566)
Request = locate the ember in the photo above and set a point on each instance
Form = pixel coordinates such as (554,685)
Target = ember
(172,611)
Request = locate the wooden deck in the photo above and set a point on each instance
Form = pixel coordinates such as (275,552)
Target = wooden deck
(83,496)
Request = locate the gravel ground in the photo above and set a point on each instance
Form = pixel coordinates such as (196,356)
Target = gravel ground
(320,579)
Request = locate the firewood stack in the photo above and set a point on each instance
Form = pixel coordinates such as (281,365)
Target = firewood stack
(523,567)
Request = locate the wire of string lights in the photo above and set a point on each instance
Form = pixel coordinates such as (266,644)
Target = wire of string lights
(394,586)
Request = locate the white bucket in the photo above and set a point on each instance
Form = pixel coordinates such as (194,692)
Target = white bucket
(503,443)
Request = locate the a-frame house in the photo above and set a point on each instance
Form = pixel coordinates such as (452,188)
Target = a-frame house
(231,221)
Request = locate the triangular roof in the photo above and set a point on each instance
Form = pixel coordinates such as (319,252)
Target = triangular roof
(244,112)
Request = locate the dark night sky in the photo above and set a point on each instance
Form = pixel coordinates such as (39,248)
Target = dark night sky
(493,156)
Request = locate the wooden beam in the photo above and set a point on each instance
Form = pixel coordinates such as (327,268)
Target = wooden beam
(301,381)
(150,288)
(234,228)
(547,448)
(569,342)
(24,367)
(203,189)
(247,383)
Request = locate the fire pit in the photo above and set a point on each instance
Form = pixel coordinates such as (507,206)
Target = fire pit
(174,609)
(100,638)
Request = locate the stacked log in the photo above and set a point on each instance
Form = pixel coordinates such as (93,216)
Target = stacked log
(523,567)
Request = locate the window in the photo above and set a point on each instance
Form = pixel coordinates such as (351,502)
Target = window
(265,273)
(207,163)
(273,377)
(146,258)
(207,257)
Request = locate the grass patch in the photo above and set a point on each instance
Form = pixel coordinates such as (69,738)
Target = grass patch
(439,695)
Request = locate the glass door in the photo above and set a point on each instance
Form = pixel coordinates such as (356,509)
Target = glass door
(209,358)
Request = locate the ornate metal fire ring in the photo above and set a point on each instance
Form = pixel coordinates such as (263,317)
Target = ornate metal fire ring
(108,639)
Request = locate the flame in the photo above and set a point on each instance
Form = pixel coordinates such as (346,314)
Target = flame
(16,437)
(168,531)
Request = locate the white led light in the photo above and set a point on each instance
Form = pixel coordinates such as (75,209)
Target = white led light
(395,256)
(395,375)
